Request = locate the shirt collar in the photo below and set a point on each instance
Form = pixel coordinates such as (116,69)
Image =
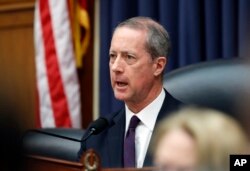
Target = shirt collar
(149,114)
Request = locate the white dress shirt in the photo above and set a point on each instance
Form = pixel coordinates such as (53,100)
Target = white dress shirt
(144,130)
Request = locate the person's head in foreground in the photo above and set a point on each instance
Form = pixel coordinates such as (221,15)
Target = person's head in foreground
(197,139)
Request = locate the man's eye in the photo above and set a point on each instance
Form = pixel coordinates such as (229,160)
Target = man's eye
(112,58)
(111,55)
(130,57)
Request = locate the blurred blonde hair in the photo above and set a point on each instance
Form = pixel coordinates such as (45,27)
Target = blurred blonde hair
(216,134)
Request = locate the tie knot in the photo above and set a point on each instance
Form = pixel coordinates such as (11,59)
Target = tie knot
(134,122)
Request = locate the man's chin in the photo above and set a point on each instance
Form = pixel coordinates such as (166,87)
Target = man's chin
(120,96)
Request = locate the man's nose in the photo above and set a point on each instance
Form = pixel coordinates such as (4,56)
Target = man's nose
(117,65)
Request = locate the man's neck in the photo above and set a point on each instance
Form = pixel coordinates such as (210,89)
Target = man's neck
(136,107)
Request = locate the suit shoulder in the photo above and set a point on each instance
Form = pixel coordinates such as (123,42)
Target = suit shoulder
(172,100)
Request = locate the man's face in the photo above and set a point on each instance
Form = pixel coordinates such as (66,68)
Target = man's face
(131,66)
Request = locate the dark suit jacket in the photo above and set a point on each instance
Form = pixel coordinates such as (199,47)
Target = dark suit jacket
(109,143)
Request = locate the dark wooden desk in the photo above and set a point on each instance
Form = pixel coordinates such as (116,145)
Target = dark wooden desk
(90,161)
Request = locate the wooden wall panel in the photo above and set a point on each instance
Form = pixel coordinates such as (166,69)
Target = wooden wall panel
(17,69)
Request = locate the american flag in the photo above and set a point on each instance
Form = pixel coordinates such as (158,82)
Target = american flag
(56,72)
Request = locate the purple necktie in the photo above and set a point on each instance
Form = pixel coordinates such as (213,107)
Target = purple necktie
(129,143)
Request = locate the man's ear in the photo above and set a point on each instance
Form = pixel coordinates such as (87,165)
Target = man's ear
(160,64)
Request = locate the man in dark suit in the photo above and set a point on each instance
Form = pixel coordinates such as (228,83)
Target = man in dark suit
(138,56)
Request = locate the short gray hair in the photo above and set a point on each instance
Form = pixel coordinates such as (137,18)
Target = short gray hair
(158,41)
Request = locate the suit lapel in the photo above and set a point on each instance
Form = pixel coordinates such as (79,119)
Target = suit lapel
(115,140)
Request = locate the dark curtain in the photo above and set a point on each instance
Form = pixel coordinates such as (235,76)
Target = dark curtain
(200,30)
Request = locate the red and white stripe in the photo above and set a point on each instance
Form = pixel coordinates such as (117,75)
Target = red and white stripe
(57,81)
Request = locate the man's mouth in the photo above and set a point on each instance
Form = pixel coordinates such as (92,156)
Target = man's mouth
(121,84)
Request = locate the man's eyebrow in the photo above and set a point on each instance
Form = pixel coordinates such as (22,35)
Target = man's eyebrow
(128,51)
(112,51)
